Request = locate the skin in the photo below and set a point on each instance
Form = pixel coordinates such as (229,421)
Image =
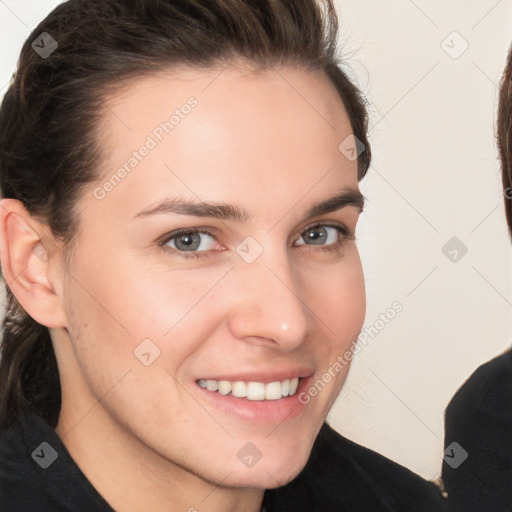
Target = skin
(145,436)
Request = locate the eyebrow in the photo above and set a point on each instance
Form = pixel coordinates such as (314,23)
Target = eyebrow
(232,212)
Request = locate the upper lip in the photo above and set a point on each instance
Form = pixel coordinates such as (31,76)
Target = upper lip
(266,377)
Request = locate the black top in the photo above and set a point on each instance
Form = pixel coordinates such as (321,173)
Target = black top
(477,470)
(339,476)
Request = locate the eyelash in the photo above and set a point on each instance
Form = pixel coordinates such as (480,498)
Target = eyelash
(345,233)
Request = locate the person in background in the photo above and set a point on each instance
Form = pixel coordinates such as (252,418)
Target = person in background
(477,461)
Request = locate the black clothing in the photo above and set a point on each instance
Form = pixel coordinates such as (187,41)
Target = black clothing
(340,476)
(479,420)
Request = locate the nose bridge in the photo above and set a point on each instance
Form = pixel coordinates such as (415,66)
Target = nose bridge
(268,303)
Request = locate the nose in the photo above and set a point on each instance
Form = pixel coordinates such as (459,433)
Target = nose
(267,306)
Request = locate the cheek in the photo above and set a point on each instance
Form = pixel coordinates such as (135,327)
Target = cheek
(340,306)
(136,301)
(338,299)
(124,305)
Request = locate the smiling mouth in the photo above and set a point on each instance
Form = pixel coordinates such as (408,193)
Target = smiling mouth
(252,390)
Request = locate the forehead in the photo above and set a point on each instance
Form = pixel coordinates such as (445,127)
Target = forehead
(228,86)
(223,132)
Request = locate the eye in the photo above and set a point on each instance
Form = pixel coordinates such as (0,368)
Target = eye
(319,234)
(190,241)
(330,237)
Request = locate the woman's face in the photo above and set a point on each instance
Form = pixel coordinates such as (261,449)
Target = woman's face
(262,291)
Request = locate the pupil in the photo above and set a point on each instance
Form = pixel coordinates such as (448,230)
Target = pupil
(318,236)
(187,241)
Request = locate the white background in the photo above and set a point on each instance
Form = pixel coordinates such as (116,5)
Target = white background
(435,176)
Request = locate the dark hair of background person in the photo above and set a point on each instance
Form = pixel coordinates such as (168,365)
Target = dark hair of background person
(48,149)
(504,134)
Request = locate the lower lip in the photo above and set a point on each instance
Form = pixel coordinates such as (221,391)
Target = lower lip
(264,412)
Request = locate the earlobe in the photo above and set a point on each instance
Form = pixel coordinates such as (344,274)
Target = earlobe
(26,254)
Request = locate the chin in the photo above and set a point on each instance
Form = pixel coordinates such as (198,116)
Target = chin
(285,474)
(284,457)
(265,477)
(271,471)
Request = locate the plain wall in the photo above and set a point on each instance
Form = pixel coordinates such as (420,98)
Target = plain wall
(435,176)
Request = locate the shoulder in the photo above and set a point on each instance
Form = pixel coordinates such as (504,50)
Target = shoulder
(478,424)
(16,474)
(38,473)
(342,475)
(485,392)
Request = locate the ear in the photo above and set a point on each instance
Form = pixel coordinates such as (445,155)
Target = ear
(27,252)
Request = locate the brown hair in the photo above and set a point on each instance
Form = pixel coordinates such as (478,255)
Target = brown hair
(504,132)
(48,118)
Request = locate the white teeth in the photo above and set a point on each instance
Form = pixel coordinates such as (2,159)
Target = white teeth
(239,389)
(273,391)
(224,387)
(256,391)
(212,385)
(293,385)
(285,387)
(252,390)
